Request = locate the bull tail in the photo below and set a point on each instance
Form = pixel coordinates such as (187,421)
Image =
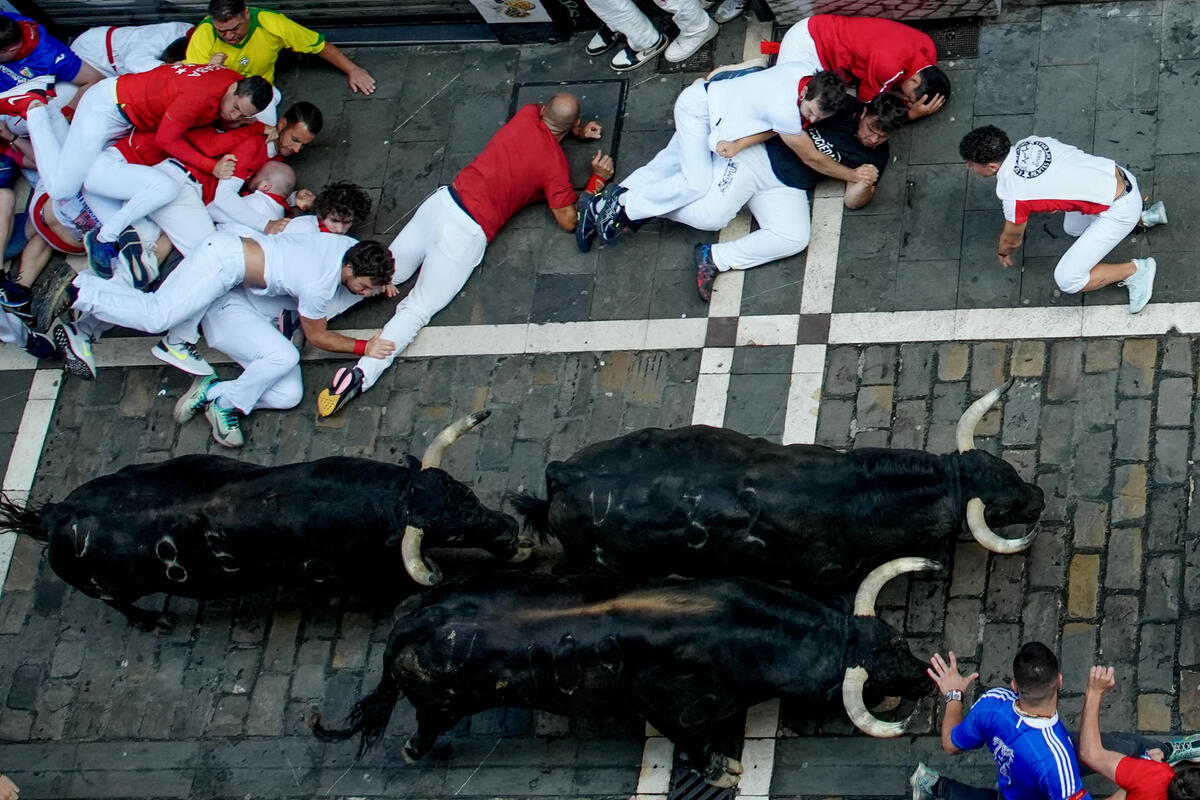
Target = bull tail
(25,519)
(369,716)
(533,510)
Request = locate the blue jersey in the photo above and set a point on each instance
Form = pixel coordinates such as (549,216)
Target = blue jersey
(40,54)
(1035,758)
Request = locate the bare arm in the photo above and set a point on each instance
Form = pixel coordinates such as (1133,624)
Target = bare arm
(359,79)
(947,678)
(1091,751)
(803,147)
(566,217)
(317,332)
(1010,239)
(731,149)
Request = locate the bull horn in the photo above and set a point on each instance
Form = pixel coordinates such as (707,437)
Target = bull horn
(868,590)
(419,569)
(852,698)
(964,432)
(856,677)
(986,537)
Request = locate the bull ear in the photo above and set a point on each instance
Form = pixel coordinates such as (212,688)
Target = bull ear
(412,462)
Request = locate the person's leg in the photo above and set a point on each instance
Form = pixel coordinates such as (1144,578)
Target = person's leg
(731,187)
(184,220)
(143,190)
(97,124)
(798,46)
(625,17)
(235,327)
(456,249)
(1081,269)
(690,17)
(783,230)
(216,267)
(695,161)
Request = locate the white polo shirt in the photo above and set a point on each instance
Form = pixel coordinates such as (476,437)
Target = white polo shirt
(1043,174)
(306,266)
(757,102)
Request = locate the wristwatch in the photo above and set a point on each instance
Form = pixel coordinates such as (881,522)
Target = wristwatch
(953,694)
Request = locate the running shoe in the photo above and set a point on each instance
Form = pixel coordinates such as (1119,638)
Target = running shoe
(39,346)
(1183,748)
(226,425)
(101,255)
(141,262)
(1140,284)
(76,351)
(346,385)
(611,220)
(729,11)
(15,101)
(181,355)
(18,300)
(627,58)
(706,270)
(585,226)
(923,780)
(602,41)
(195,399)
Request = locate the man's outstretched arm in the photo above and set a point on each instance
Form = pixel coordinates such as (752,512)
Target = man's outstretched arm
(1091,751)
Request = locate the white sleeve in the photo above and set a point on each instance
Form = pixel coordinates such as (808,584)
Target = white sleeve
(229,206)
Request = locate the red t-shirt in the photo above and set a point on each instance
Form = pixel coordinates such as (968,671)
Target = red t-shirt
(522,163)
(170,99)
(881,53)
(1143,779)
(248,143)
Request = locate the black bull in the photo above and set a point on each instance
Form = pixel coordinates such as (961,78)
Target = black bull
(704,501)
(212,527)
(686,656)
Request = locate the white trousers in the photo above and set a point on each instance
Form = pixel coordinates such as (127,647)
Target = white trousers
(681,172)
(270,363)
(12,330)
(447,245)
(1097,235)
(180,302)
(625,17)
(143,190)
(98,122)
(798,46)
(185,220)
(781,211)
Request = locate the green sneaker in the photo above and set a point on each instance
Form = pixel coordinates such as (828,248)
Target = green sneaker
(922,781)
(195,399)
(226,425)
(1185,748)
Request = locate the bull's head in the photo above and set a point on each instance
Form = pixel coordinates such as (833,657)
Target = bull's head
(992,486)
(880,654)
(451,515)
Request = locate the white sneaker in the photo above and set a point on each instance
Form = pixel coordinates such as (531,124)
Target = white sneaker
(181,355)
(685,46)
(627,59)
(729,10)
(1141,283)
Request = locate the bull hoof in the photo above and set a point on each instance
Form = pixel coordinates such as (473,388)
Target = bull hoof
(523,553)
(409,753)
(722,772)
(165,623)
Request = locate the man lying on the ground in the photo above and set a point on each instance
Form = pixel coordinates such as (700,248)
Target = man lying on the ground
(721,116)
(1147,778)
(449,232)
(337,208)
(776,182)
(28,52)
(114,51)
(881,53)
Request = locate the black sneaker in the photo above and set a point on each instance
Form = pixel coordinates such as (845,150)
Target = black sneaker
(16,299)
(40,346)
(101,255)
(346,385)
(602,41)
(706,270)
(142,263)
(585,226)
(611,220)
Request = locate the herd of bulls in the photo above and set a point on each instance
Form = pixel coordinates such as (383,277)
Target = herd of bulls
(701,571)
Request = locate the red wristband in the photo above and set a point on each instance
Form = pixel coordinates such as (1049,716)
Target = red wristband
(594,184)
(360,347)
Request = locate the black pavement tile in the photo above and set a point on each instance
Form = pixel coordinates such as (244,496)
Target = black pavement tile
(1066,104)
(1175,180)
(1180,30)
(865,283)
(623,285)
(722,332)
(813,329)
(562,298)
(389,67)
(544,62)
(890,191)
(674,295)
(1069,36)
(638,147)
(868,236)
(1038,287)
(315,163)
(1127,136)
(770,360)
(932,228)
(558,253)
(366,129)
(982,282)
(1178,114)
(650,104)
(935,139)
(453,162)
(774,288)
(475,122)
(925,285)
(756,403)
(14,388)
(1128,72)
(1007,77)
(1044,236)
(676,246)
(412,175)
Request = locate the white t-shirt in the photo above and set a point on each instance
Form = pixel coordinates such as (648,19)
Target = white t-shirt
(134,48)
(306,266)
(306,223)
(1043,174)
(760,101)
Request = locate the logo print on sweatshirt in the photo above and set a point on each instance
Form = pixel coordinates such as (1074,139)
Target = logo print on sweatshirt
(1032,159)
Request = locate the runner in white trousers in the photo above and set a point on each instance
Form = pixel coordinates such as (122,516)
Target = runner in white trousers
(643,39)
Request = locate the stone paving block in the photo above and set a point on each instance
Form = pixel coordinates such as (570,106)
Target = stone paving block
(1093,463)
(964,627)
(1154,712)
(952,361)
(1162,578)
(1129,493)
(874,407)
(987,366)
(1189,642)
(969,575)
(1097,398)
(878,364)
(1005,585)
(1118,629)
(1156,661)
(1054,488)
(1177,355)
(1028,359)
(1174,406)
(1007,78)
(833,424)
(1123,563)
(1133,430)
(1065,367)
(1000,641)
(1137,367)
(1083,585)
(908,430)
(1057,424)
(1076,655)
(1022,412)
(1047,562)
(1170,456)
(1090,523)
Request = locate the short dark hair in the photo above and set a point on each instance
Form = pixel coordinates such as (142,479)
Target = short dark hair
(175,51)
(889,110)
(370,259)
(1035,672)
(347,200)
(258,89)
(985,145)
(225,10)
(829,92)
(933,81)
(306,114)
(1186,783)
(10,32)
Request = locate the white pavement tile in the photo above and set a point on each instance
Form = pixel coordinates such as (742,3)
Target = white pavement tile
(1017,323)
(820,263)
(803,403)
(716,360)
(891,326)
(577,337)
(467,340)
(676,334)
(712,393)
(762,720)
(658,755)
(1156,318)
(809,358)
(768,329)
(727,294)
(758,762)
